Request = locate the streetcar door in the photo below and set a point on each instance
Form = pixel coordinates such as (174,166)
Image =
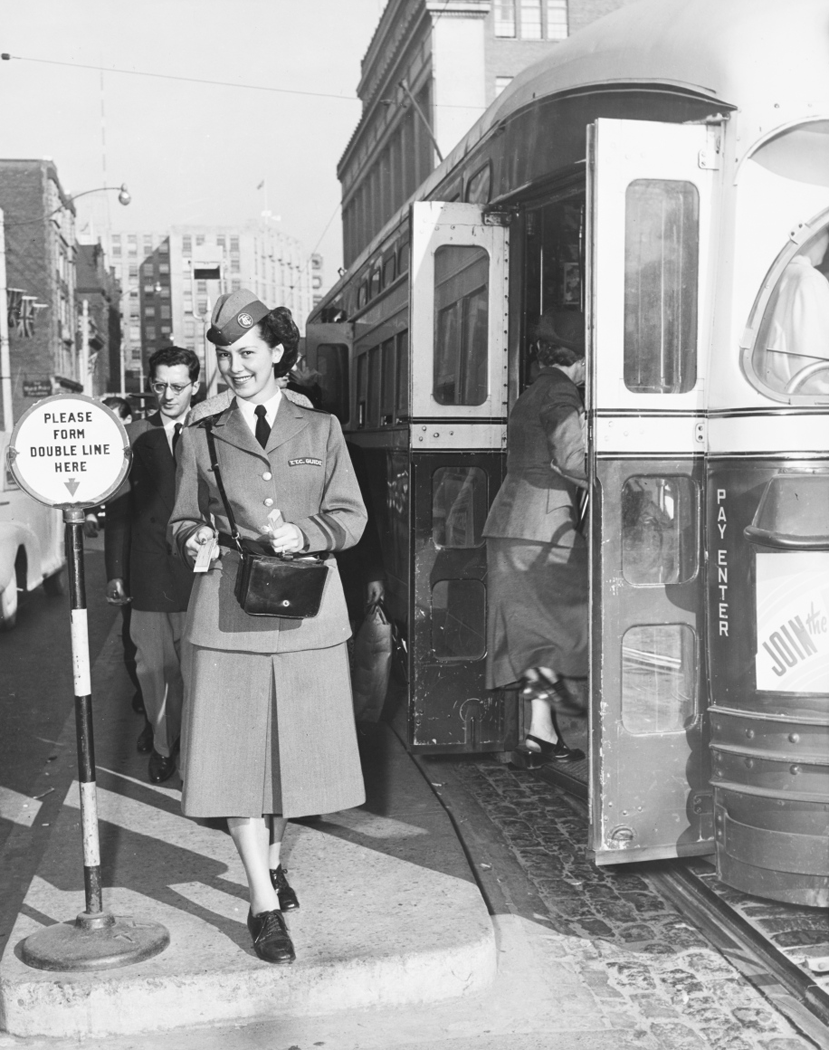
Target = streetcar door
(327,352)
(458,302)
(651,194)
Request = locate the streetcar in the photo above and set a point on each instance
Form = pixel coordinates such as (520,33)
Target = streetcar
(666,172)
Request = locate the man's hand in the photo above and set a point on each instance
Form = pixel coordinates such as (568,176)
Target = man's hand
(203,534)
(116,592)
(375,592)
(90,526)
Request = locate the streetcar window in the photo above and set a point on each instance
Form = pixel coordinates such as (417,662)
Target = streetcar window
(459,507)
(479,185)
(402,377)
(389,271)
(374,287)
(373,414)
(362,385)
(791,352)
(459,620)
(388,388)
(658,678)
(403,260)
(362,295)
(461,325)
(659,530)
(332,365)
(661,278)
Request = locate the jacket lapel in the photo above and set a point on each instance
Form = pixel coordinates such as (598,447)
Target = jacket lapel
(290,419)
(232,428)
(152,448)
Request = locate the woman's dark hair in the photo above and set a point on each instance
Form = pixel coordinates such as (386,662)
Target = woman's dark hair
(278,327)
(548,355)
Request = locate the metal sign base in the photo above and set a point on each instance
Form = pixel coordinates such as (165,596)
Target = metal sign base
(100,941)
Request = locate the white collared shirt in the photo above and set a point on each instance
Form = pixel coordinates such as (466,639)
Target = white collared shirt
(248,410)
(170,427)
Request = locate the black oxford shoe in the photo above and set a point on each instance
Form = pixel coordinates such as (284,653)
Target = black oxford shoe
(161,767)
(144,743)
(288,900)
(271,940)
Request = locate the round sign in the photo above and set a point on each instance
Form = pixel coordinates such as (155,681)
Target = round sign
(69,451)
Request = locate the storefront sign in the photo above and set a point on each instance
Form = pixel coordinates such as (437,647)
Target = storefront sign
(793,622)
(37,388)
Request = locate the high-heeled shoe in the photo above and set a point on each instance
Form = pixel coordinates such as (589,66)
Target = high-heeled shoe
(551,752)
(288,900)
(553,691)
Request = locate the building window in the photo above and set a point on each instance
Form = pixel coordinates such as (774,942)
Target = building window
(132,244)
(186,245)
(505,18)
(234,266)
(189,328)
(116,249)
(234,244)
(135,333)
(163,267)
(148,244)
(530,19)
(220,240)
(199,240)
(165,313)
(236,284)
(201,287)
(556,19)
(500,84)
(149,311)
(165,293)
(165,329)
(133,270)
(149,331)
(164,249)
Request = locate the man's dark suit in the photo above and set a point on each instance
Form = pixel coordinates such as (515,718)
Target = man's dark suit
(136,551)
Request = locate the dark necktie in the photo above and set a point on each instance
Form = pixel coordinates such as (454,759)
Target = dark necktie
(263,431)
(176,436)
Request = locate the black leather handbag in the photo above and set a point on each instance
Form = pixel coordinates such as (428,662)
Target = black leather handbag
(269,584)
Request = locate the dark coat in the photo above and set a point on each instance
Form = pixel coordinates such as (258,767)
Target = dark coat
(135,537)
(535,500)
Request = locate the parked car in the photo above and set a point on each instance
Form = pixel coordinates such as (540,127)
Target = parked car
(31,544)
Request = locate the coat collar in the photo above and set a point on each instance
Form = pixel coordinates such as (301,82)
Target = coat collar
(230,426)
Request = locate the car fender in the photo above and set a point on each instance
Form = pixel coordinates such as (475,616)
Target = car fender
(13,536)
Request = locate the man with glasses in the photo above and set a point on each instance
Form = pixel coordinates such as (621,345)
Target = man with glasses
(140,567)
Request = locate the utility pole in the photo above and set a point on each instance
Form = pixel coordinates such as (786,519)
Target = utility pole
(5,356)
(85,376)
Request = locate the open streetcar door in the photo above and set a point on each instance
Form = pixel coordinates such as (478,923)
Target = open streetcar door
(651,195)
(458,353)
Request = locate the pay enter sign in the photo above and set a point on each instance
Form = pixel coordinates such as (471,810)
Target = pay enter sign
(69,450)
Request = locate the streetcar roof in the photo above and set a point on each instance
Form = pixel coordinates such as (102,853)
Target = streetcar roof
(768,61)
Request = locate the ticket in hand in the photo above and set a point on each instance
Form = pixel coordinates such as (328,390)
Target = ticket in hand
(204,558)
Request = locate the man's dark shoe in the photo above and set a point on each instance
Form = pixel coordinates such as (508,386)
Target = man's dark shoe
(144,743)
(138,702)
(271,940)
(161,767)
(288,900)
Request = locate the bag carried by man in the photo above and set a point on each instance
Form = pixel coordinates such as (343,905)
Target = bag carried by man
(371,664)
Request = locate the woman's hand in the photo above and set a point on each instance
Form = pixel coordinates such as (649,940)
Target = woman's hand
(286,538)
(193,544)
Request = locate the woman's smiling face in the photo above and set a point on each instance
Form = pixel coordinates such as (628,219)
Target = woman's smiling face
(247,366)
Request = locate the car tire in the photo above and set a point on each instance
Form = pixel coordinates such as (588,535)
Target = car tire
(55,585)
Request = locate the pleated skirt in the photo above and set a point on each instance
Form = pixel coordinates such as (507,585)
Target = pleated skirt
(265,733)
(538,608)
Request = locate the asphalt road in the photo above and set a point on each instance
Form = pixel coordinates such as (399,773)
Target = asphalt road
(36,691)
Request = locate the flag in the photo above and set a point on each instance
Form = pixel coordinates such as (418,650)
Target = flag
(261,184)
(26,318)
(14,301)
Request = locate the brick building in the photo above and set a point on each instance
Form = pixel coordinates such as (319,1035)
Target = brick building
(99,321)
(40,279)
(431,69)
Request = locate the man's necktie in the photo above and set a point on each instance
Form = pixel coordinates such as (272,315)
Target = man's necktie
(263,431)
(177,429)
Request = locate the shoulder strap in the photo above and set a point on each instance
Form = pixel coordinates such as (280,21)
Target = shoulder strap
(207,426)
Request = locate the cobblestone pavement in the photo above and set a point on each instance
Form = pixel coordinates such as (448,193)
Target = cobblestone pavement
(651,974)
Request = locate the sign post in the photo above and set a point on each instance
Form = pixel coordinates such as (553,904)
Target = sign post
(71,452)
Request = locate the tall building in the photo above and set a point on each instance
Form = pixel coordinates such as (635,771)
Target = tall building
(431,69)
(40,280)
(128,252)
(98,303)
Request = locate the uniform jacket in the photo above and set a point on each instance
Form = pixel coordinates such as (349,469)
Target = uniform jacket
(135,537)
(544,428)
(305,472)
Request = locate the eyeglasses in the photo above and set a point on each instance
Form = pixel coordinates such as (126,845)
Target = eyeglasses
(174,388)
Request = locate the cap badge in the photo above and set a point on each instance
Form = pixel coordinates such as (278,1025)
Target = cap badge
(245,320)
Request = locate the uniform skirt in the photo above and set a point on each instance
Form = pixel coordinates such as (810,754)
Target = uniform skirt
(265,733)
(538,608)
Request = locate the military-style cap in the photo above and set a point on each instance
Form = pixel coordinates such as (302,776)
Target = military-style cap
(234,314)
(561,327)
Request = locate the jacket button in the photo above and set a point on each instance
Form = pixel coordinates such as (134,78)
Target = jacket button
(267,476)
(268,502)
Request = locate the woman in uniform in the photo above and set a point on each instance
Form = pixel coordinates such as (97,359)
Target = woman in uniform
(536,555)
(268,730)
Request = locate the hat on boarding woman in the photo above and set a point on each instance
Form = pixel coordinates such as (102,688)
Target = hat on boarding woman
(234,314)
